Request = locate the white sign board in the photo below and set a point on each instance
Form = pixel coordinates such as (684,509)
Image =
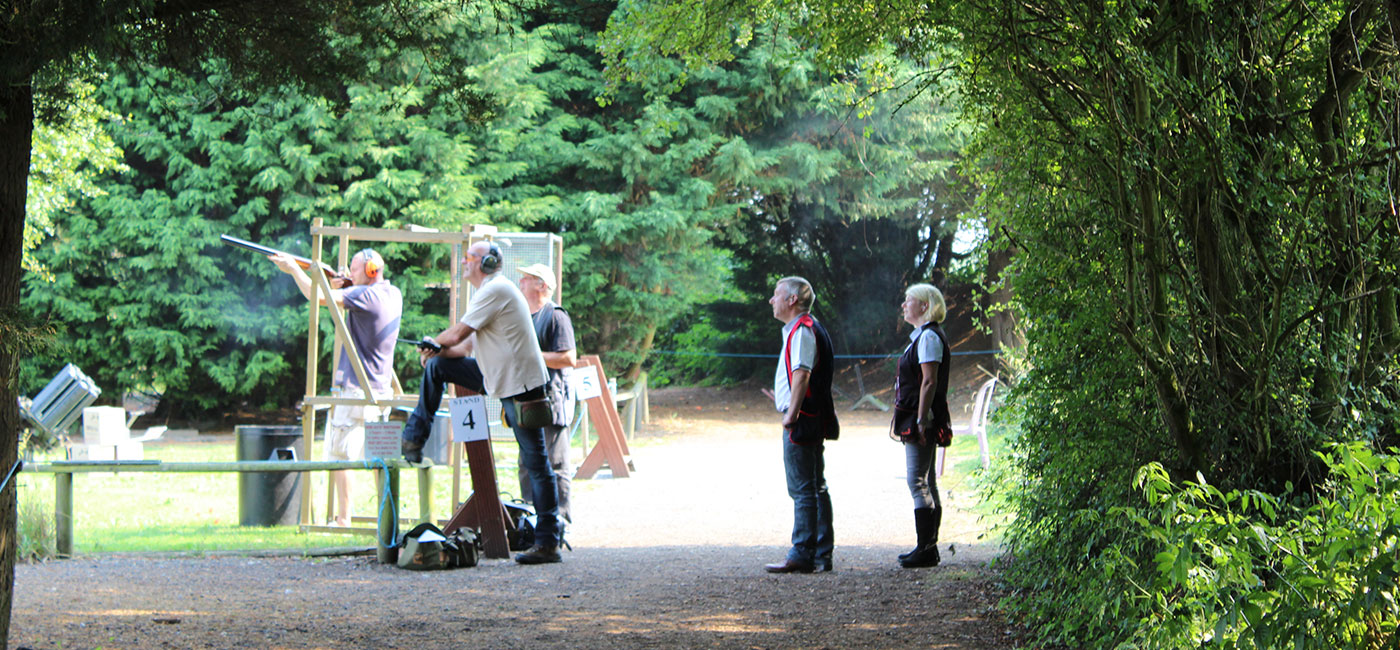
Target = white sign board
(382,440)
(469,418)
(587,380)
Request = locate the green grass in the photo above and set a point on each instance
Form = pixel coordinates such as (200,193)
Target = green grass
(192,513)
(964,473)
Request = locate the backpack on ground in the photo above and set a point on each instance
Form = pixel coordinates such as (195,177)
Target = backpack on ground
(426,548)
(520,523)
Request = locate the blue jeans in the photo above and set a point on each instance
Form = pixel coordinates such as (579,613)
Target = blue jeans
(464,371)
(812,534)
(919,474)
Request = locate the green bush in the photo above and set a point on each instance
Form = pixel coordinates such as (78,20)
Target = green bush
(37,539)
(1244,569)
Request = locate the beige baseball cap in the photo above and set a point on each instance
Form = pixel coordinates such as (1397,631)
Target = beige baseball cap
(542,272)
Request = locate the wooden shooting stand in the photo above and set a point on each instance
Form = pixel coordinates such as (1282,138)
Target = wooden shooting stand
(611,449)
(481,462)
(482,510)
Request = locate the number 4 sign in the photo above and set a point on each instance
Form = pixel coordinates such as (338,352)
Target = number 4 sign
(469,418)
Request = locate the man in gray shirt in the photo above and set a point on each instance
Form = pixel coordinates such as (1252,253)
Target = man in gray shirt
(373,309)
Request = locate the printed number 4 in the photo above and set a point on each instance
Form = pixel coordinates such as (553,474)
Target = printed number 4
(470,422)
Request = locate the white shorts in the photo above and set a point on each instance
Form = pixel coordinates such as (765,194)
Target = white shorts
(345,429)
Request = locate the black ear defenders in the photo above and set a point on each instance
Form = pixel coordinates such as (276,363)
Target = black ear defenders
(492,260)
(371,262)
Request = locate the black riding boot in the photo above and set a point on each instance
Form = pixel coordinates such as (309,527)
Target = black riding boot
(921,518)
(926,521)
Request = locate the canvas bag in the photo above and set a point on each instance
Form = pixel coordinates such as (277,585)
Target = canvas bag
(426,548)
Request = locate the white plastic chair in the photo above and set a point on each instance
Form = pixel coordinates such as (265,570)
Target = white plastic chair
(981,409)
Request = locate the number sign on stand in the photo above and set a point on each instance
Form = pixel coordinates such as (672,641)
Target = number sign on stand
(469,418)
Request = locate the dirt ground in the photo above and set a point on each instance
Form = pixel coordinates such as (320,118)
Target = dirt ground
(669,557)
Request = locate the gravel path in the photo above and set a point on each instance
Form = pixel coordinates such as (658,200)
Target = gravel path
(671,557)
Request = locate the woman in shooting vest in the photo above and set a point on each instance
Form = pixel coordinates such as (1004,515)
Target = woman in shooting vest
(921,419)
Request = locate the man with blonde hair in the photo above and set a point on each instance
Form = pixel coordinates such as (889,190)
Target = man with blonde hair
(555,332)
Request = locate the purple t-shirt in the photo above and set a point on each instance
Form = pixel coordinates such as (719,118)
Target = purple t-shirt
(372,312)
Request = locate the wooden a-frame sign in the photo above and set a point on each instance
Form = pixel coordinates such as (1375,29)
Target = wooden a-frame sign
(611,449)
(483,509)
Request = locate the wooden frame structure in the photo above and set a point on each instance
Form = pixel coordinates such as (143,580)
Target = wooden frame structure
(480,455)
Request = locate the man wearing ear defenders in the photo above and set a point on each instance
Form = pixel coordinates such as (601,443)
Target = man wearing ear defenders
(511,368)
(373,309)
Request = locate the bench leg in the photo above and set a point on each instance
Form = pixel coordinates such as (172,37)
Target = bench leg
(425,495)
(63,513)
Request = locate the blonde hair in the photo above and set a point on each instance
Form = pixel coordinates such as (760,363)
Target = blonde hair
(929,295)
(800,287)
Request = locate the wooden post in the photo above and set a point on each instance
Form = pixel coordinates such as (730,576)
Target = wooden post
(483,509)
(425,495)
(641,391)
(629,418)
(63,513)
(386,552)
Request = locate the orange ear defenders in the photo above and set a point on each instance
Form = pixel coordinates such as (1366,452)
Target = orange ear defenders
(372,262)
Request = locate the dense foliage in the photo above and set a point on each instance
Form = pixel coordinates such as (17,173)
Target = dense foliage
(1202,194)
(46,47)
(139,270)
(763,158)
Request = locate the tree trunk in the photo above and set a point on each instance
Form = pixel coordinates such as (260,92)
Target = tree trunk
(1006,333)
(635,370)
(16,131)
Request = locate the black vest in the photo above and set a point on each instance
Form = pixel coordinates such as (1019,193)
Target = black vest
(818,401)
(910,376)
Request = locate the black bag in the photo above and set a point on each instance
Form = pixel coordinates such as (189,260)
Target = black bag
(813,428)
(520,522)
(439,551)
(904,427)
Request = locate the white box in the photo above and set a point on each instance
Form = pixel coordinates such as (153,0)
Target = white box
(105,425)
(122,451)
(93,452)
(131,450)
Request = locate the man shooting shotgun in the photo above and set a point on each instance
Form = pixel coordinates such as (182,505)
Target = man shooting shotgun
(373,308)
(338,280)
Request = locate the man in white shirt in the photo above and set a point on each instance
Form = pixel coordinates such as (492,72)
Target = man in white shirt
(508,365)
(802,393)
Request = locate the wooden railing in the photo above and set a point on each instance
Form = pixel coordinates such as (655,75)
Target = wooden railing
(387,471)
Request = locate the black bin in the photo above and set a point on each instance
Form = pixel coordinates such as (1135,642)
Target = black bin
(269,498)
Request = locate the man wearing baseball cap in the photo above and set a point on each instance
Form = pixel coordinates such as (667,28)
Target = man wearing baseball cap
(556,336)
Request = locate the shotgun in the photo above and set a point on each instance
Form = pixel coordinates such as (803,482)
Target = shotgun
(427,343)
(338,281)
